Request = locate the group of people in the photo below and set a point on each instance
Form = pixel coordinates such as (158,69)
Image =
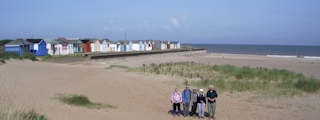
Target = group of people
(197,99)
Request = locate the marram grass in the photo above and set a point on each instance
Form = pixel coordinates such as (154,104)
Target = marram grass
(22,115)
(81,100)
(7,55)
(232,78)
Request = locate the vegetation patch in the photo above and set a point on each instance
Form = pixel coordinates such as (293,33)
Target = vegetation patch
(48,57)
(118,66)
(7,55)
(22,115)
(263,81)
(81,100)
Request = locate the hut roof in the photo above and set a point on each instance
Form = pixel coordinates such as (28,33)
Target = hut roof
(135,41)
(34,40)
(174,42)
(19,42)
(92,40)
(47,40)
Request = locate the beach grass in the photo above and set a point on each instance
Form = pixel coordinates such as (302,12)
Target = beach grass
(118,66)
(22,115)
(259,80)
(48,57)
(81,100)
(7,55)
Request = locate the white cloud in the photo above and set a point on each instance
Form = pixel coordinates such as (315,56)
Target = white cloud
(107,29)
(145,23)
(165,26)
(183,18)
(175,22)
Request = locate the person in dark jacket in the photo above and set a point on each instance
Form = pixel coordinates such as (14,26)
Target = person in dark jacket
(201,102)
(186,97)
(212,96)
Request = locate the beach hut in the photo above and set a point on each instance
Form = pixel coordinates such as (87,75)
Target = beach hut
(86,45)
(163,45)
(42,49)
(144,45)
(96,45)
(149,45)
(104,46)
(126,45)
(115,46)
(51,46)
(123,46)
(175,45)
(76,44)
(136,45)
(64,46)
(166,44)
(91,43)
(35,47)
(156,45)
(18,46)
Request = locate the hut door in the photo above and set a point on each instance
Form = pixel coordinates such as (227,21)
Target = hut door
(53,49)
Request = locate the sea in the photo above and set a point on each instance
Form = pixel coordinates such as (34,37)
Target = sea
(312,52)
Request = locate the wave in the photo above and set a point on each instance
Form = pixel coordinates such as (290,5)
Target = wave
(286,56)
(312,57)
(294,56)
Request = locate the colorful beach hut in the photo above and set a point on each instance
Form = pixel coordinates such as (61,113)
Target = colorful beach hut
(86,45)
(35,47)
(126,45)
(18,46)
(51,46)
(64,47)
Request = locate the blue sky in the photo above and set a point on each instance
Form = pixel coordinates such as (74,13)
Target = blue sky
(279,22)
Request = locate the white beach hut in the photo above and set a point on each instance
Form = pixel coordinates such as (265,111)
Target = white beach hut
(137,45)
(104,46)
(64,47)
(51,46)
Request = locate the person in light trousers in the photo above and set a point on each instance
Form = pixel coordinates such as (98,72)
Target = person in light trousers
(201,102)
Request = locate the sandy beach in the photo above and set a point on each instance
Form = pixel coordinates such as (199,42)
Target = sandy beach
(139,96)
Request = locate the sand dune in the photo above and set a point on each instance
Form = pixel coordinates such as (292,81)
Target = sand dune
(27,84)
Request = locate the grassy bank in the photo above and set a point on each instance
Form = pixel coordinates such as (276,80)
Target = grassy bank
(81,100)
(263,81)
(48,57)
(21,115)
(6,56)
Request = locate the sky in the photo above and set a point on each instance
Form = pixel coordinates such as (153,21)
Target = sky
(273,22)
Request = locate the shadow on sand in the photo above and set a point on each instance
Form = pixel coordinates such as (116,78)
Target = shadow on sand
(205,113)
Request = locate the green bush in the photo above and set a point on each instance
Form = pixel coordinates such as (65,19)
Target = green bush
(78,100)
(81,100)
(30,56)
